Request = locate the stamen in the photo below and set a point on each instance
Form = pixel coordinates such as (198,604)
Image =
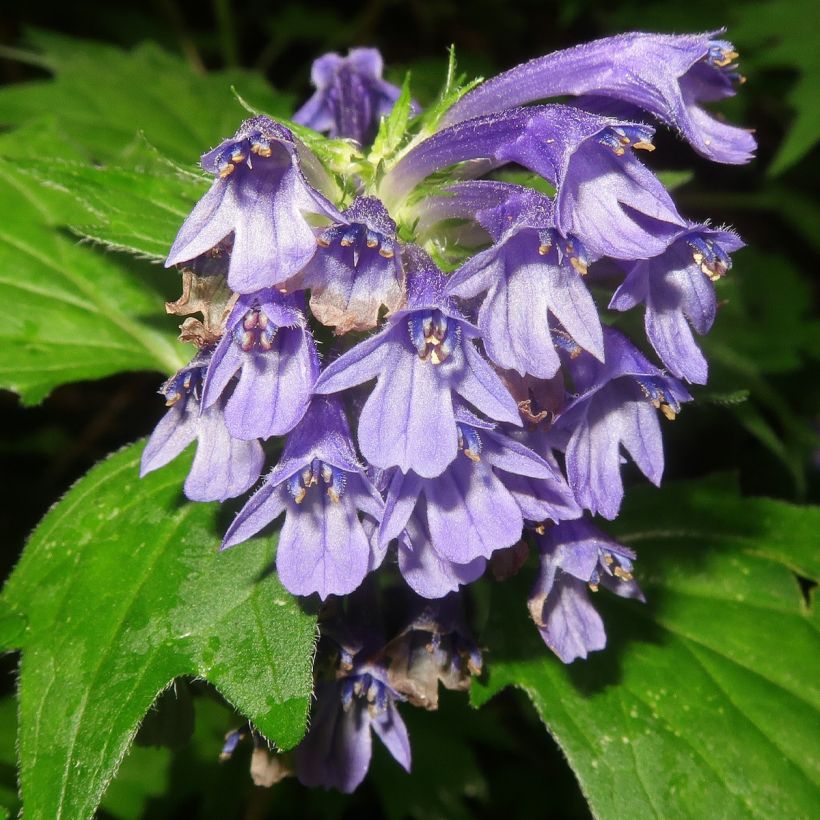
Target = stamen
(255,332)
(469,442)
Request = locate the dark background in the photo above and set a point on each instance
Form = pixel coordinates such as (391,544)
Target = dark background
(46,448)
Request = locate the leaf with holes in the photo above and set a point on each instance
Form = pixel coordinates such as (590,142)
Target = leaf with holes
(122,590)
(706,700)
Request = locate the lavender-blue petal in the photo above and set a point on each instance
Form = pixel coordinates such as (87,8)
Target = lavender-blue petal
(223,466)
(391,730)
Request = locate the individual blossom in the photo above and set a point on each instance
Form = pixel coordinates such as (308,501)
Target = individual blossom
(605,196)
(424,356)
(668,75)
(261,196)
(617,407)
(322,488)
(677,289)
(337,749)
(350,98)
(223,466)
(529,274)
(468,510)
(575,558)
(269,346)
(356,270)
(435,647)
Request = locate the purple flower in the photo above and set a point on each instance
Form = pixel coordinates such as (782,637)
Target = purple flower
(336,751)
(468,511)
(356,269)
(677,289)
(321,486)
(267,342)
(424,356)
(616,407)
(605,196)
(260,195)
(351,96)
(530,273)
(223,466)
(667,75)
(576,556)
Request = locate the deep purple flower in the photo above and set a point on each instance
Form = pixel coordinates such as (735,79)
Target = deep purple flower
(605,197)
(530,272)
(356,270)
(468,510)
(424,356)
(434,647)
(267,342)
(223,466)
(667,75)
(336,751)
(321,486)
(576,556)
(616,407)
(260,196)
(677,289)
(351,96)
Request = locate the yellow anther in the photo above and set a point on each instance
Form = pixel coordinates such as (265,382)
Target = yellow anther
(578,265)
(620,572)
(593,587)
(227,171)
(261,150)
(371,243)
(386,253)
(322,243)
(300,496)
(644,146)
(473,456)
(668,412)
(333,495)
(543,250)
(237,156)
(608,559)
(346,243)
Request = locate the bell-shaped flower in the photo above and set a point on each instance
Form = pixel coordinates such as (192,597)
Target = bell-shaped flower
(350,98)
(425,355)
(223,466)
(356,269)
(468,510)
(677,288)
(529,274)
(261,196)
(668,75)
(337,749)
(605,196)
(575,558)
(616,408)
(268,344)
(321,487)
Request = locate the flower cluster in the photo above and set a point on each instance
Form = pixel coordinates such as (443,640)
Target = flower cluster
(420,343)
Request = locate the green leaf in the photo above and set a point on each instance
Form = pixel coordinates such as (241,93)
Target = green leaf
(393,127)
(783,34)
(123,590)
(104,98)
(70,313)
(138,210)
(706,700)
